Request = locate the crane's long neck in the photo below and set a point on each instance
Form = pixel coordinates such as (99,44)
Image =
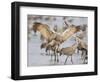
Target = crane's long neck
(74,46)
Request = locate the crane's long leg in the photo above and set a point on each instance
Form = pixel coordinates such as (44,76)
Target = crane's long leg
(51,57)
(85,57)
(66,60)
(82,54)
(57,53)
(71,60)
(84,61)
(57,58)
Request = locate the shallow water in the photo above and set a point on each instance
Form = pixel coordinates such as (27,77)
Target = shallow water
(38,57)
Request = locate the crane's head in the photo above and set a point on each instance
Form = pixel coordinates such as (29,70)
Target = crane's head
(35,26)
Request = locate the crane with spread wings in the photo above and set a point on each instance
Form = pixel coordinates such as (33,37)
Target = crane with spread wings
(50,34)
(53,38)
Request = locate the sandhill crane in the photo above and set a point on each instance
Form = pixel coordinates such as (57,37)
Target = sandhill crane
(50,35)
(69,51)
(82,46)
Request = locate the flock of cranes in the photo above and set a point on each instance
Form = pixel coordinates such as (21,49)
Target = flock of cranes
(54,40)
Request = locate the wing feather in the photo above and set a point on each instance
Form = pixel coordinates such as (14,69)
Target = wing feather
(69,32)
(44,30)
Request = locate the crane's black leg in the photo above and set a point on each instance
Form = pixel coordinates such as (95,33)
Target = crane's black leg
(57,58)
(71,60)
(82,54)
(66,60)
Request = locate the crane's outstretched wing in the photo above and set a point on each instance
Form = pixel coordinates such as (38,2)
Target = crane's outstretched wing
(44,30)
(69,32)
